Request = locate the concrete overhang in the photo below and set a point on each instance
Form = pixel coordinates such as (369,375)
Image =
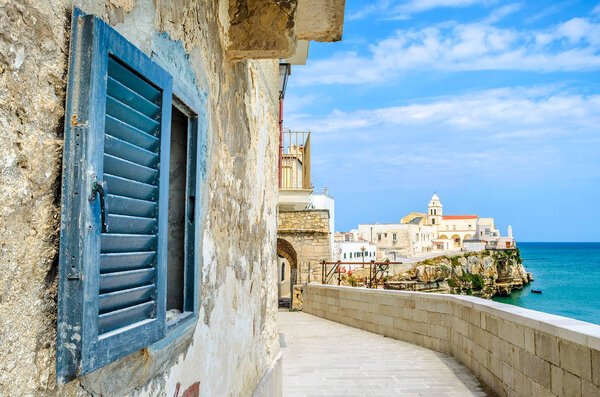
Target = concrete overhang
(301,54)
(272,29)
(294,199)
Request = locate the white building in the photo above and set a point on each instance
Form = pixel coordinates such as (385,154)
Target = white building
(397,240)
(450,231)
(323,201)
(358,252)
(487,238)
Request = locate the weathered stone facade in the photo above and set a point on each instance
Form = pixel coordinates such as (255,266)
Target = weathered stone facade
(236,332)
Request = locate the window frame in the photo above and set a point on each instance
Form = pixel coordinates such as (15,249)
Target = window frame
(190,105)
(80,349)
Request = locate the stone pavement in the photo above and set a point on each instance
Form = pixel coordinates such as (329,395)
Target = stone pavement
(325,358)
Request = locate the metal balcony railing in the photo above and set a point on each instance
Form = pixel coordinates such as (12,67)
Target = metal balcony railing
(295,160)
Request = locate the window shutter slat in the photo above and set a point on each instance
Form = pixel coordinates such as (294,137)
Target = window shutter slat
(122,318)
(112,301)
(125,280)
(127,187)
(129,206)
(135,100)
(130,170)
(113,243)
(124,224)
(130,134)
(127,151)
(121,261)
(117,291)
(128,115)
(131,80)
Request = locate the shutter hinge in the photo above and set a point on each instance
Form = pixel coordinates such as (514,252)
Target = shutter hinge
(73,276)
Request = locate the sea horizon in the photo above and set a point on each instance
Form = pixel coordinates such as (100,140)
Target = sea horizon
(567,273)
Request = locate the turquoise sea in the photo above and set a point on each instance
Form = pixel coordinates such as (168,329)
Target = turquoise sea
(568,275)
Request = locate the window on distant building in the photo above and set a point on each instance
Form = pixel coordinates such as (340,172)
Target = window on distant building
(433,221)
(394,236)
(379,236)
(344,255)
(453,227)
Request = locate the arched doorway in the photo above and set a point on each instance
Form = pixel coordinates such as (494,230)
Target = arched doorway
(456,239)
(286,251)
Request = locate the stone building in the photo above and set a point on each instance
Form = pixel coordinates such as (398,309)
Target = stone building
(449,231)
(138,165)
(306,224)
(396,240)
(303,243)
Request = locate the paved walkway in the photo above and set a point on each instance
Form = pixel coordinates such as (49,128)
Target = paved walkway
(325,358)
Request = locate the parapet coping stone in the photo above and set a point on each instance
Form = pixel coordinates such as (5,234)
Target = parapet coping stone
(572,330)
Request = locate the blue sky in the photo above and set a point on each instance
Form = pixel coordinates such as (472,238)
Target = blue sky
(493,105)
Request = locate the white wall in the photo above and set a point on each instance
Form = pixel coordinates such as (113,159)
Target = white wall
(325,202)
(350,251)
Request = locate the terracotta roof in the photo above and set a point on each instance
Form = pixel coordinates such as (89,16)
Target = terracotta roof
(460,217)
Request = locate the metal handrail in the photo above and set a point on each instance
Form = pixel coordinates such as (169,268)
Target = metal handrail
(379,267)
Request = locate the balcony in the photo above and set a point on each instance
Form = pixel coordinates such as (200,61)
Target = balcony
(295,185)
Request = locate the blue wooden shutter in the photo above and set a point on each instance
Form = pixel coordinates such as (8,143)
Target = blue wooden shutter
(114,206)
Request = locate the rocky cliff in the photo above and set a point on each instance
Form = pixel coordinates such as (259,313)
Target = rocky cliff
(484,274)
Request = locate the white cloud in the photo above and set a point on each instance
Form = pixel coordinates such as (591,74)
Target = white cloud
(596,10)
(570,46)
(515,135)
(405,9)
(294,103)
(500,13)
(500,113)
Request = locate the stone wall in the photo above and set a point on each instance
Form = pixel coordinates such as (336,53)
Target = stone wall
(308,232)
(237,331)
(515,351)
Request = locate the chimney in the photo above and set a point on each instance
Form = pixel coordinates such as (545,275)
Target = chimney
(509,231)
(325,191)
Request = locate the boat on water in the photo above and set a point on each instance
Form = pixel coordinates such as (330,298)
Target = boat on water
(536,291)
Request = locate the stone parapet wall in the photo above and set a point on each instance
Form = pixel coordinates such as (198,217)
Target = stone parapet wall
(515,351)
(305,221)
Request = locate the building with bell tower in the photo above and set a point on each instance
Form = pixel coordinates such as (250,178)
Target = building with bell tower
(434,211)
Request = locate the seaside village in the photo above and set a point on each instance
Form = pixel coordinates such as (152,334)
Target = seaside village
(154,212)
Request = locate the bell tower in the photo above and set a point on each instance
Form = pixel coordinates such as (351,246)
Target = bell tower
(434,211)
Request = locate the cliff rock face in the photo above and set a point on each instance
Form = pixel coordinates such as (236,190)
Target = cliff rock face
(484,274)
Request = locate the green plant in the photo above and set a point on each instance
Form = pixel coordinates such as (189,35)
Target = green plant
(455,261)
(477,281)
(452,283)
(469,291)
(353,281)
